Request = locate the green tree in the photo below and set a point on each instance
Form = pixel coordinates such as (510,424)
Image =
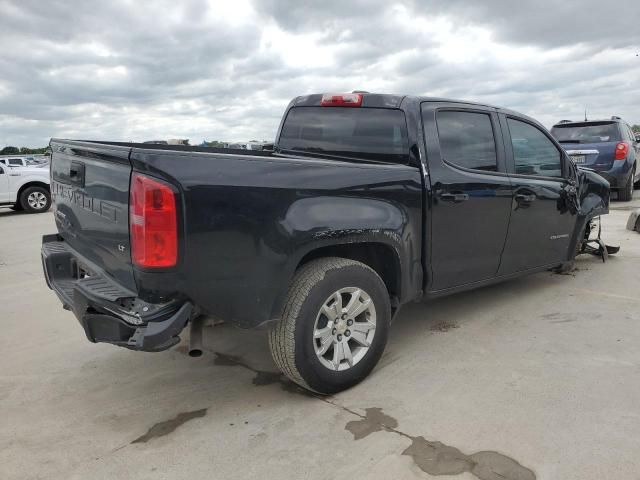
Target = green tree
(8,150)
(636,128)
(33,151)
(215,143)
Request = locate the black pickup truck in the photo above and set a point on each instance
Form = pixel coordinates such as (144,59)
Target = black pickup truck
(365,203)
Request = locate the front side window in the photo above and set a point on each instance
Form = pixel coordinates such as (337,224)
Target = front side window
(466,140)
(533,152)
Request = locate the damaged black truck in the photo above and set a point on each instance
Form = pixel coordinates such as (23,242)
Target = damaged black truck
(365,203)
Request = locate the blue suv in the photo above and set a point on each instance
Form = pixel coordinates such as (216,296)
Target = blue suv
(608,147)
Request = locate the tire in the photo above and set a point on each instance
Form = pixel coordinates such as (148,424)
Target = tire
(35,200)
(316,285)
(16,208)
(625,194)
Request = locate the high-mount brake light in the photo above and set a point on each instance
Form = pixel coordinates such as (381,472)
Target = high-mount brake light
(622,149)
(152,223)
(341,100)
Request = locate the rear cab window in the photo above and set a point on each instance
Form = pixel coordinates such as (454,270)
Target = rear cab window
(376,134)
(588,132)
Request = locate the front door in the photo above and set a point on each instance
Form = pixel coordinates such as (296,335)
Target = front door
(4,184)
(542,222)
(468,213)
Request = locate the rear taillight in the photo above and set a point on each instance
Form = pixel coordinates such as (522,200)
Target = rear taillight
(152,223)
(341,100)
(622,149)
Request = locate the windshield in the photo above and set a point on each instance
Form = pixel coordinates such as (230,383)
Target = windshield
(367,133)
(594,132)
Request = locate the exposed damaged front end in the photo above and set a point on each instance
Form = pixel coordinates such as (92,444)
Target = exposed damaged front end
(593,201)
(592,242)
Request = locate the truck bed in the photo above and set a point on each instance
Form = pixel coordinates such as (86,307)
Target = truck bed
(246,219)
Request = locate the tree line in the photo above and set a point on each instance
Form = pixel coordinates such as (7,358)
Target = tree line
(9,150)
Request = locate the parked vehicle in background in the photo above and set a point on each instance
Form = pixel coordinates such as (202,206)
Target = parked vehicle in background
(607,146)
(25,188)
(13,161)
(367,202)
(23,161)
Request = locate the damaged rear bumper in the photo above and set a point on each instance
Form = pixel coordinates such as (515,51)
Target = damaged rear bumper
(107,311)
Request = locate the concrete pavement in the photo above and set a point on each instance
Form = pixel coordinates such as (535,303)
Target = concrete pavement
(535,378)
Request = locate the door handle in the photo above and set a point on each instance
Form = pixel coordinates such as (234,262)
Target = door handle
(521,197)
(453,197)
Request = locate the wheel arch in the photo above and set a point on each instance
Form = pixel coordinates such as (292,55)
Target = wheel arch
(31,183)
(383,257)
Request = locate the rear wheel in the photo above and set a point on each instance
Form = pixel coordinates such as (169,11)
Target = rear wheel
(35,200)
(625,194)
(334,326)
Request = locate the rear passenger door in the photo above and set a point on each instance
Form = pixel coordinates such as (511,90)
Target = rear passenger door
(542,223)
(470,201)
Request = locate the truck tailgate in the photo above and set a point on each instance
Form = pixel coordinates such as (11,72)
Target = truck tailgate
(90,190)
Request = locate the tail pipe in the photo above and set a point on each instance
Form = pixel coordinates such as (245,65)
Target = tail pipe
(195,336)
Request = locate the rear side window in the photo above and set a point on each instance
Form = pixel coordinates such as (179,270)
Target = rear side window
(466,140)
(592,132)
(15,161)
(632,136)
(364,133)
(533,152)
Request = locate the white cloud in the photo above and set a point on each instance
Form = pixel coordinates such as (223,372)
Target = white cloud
(125,70)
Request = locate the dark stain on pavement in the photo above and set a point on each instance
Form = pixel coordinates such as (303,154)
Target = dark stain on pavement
(182,349)
(267,378)
(373,421)
(224,360)
(436,458)
(165,428)
(444,327)
(261,377)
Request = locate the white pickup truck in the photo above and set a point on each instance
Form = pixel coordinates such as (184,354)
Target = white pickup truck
(25,188)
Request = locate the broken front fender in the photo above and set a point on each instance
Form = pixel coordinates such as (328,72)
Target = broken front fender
(593,194)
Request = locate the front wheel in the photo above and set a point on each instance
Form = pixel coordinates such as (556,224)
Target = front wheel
(334,326)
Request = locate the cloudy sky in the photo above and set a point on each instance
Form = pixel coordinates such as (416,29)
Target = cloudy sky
(225,70)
